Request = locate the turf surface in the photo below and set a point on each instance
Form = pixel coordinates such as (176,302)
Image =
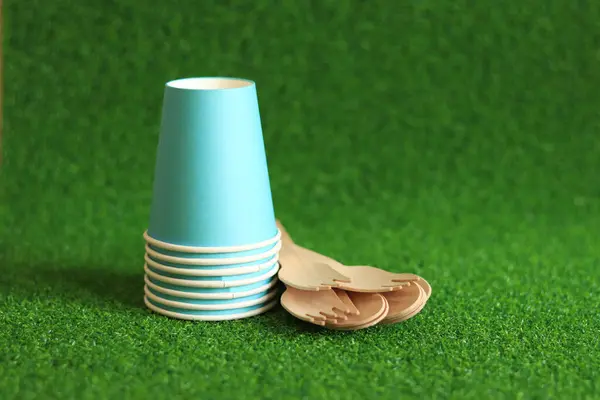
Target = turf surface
(457,140)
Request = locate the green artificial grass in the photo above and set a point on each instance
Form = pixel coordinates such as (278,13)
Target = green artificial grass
(457,140)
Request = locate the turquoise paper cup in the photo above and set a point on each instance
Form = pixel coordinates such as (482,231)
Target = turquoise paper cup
(211,181)
(187,260)
(209,286)
(209,305)
(212,294)
(188,270)
(192,280)
(217,302)
(173,250)
(205,312)
(219,256)
(217,315)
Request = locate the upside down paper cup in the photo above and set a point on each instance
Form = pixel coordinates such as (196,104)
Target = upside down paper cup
(236,301)
(211,181)
(188,261)
(229,293)
(207,305)
(212,244)
(185,305)
(224,315)
(211,300)
(212,253)
(214,271)
(211,281)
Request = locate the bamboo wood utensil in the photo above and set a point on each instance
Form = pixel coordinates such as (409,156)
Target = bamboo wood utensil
(366,325)
(408,316)
(411,310)
(372,273)
(375,296)
(316,307)
(426,287)
(372,307)
(305,275)
(367,279)
(297,273)
(404,302)
(304,266)
(412,314)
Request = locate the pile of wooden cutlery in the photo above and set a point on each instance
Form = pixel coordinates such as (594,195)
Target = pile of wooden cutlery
(323,291)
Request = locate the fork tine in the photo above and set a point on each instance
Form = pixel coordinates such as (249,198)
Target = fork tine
(330,314)
(343,316)
(316,318)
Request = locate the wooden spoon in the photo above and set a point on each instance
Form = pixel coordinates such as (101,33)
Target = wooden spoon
(316,307)
(303,262)
(372,306)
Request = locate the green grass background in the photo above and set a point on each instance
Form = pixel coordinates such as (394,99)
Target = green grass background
(459,140)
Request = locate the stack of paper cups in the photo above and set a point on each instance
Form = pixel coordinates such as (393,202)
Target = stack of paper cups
(212,245)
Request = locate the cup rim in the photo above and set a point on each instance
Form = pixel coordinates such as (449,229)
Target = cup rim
(210,307)
(212,272)
(214,261)
(210,250)
(193,83)
(212,284)
(210,296)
